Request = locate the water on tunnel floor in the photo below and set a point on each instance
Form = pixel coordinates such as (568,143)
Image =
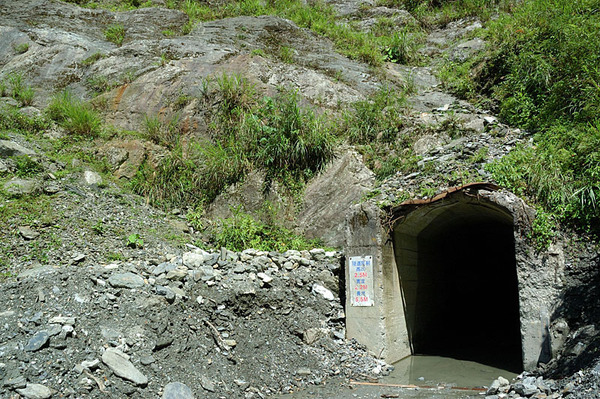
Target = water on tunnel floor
(438,370)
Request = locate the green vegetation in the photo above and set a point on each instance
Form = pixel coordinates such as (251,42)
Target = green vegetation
(14,86)
(74,115)
(441,12)
(541,72)
(92,59)
(115,33)
(12,119)
(135,241)
(241,231)
(21,48)
(163,133)
(375,127)
(276,135)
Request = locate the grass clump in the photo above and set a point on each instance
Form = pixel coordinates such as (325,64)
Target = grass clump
(21,48)
(241,231)
(12,119)
(75,116)
(115,33)
(92,59)
(14,86)
(161,132)
(277,136)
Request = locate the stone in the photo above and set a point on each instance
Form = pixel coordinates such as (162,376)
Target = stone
(525,389)
(15,382)
(164,268)
(195,260)
(28,233)
(12,149)
(163,342)
(177,390)
(119,363)
(311,335)
(68,320)
(177,274)
(207,384)
(37,342)
(303,371)
(20,186)
(317,253)
(36,391)
(265,278)
(90,364)
(324,292)
(147,360)
(92,178)
(166,292)
(126,280)
(499,385)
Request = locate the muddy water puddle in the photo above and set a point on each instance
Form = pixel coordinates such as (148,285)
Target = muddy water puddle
(434,376)
(437,370)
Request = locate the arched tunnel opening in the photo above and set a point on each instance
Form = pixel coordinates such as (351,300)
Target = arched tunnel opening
(457,269)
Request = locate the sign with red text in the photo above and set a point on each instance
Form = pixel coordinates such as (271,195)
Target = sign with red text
(361,280)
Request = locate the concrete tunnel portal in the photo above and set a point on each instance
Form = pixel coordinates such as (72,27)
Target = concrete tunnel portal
(450,276)
(457,274)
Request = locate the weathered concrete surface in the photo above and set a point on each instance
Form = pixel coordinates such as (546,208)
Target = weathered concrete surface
(380,327)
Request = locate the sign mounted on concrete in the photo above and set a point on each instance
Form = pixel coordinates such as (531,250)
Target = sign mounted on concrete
(361,280)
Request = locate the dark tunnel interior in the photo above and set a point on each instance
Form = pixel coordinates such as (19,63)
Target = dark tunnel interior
(461,292)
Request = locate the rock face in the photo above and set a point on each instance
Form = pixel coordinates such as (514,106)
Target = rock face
(329,196)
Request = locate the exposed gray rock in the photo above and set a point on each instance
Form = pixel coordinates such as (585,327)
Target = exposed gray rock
(330,194)
(464,50)
(207,384)
(177,390)
(126,280)
(10,149)
(20,186)
(119,363)
(92,178)
(36,391)
(28,233)
(38,341)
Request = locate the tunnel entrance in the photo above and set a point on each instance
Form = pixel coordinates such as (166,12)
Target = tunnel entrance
(458,279)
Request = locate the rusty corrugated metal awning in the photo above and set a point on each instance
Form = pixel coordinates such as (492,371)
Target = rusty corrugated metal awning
(465,187)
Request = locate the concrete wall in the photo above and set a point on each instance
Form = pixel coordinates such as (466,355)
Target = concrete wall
(383,326)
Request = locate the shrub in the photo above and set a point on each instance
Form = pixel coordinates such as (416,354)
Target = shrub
(75,116)
(241,231)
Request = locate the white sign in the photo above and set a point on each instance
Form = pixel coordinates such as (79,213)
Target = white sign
(361,280)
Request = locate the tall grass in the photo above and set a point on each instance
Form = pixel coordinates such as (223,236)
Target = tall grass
(75,116)
(274,135)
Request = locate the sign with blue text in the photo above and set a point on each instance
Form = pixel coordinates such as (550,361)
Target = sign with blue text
(361,280)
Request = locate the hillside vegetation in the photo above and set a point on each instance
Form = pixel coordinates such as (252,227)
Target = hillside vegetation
(541,72)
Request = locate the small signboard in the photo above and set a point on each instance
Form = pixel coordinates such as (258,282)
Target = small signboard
(361,280)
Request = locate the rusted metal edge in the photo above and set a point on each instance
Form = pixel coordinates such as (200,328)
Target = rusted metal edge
(474,186)
(378,384)
(398,212)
